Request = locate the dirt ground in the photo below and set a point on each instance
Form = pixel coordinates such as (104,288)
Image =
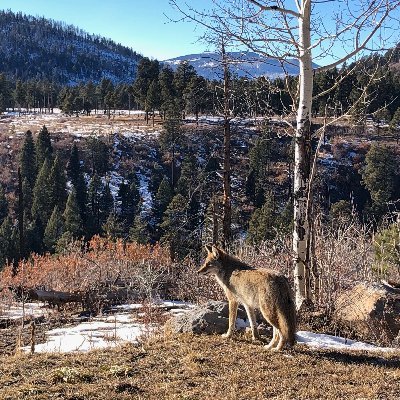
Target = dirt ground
(200,367)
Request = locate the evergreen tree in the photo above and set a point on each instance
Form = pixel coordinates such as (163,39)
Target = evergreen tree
(140,230)
(28,159)
(183,75)
(3,205)
(175,228)
(163,197)
(128,198)
(58,184)
(73,165)
(8,242)
(394,126)
(167,89)
(44,149)
(171,138)
(147,72)
(262,223)
(19,94)
(196,96)
(41,205)
(34,231)
(54,230)
(72,218)
(75,174)
(99,154)
(153,98)
(379,176)
(106,203)
(94,198)
(28,198)
(112,227)
(185,184)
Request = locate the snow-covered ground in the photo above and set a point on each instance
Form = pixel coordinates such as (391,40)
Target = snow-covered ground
(105,331)
(99,333)
(122,326)
(322,341)
(16,311)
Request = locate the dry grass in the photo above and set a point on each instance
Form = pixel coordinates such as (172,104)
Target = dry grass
(200,367)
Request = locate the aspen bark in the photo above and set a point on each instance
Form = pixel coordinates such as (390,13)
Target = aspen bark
(227,206)
(302,150)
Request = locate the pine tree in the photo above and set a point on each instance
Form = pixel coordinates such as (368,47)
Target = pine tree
(94,195)
(112,227)
(41,205)
(106,203)
(58,184)
(395,124)
(72,218)
(196,96)
(172,137)
(262,223)
(54,230)
(183,75)
(153,98)
(34,231)
(166,78)
(99,154)
(128,199)
(28,199)
(75,174)
(186,180)
(8,242)
(379,175)
(163,197)
(28,159)
(44,149)
(3,205)
(140,230)
(74,165)
(175,228)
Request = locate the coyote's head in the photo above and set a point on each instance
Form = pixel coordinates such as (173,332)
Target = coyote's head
(212,263)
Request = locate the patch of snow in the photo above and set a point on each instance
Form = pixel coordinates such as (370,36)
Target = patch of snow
(147,198)
(105,331)
(100,333)
(323,341)
(16,311)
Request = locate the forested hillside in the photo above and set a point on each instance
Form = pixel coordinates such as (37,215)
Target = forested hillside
(42,49)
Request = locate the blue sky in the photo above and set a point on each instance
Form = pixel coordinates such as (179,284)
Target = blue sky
(140,24)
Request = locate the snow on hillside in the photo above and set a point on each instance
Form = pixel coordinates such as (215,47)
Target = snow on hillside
(242,64)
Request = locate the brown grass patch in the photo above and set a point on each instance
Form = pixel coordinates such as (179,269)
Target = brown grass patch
(200,367)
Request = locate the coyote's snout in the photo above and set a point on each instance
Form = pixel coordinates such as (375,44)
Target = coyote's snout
(260,288)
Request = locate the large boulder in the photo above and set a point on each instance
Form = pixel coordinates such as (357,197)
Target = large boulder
(212,317)
(371,311)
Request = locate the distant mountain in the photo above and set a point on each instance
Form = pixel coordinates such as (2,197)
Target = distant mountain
(243,64)
(38,48)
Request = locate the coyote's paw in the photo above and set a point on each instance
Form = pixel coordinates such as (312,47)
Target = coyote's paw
(227,335)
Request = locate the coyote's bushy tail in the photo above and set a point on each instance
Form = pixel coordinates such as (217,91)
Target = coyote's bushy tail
(288,313)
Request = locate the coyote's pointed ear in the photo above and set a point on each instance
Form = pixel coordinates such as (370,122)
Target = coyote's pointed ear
(215,252)
(208,248)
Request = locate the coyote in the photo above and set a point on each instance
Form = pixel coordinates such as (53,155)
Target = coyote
(261,288)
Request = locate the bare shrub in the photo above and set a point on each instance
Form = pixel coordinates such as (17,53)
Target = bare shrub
(98,272)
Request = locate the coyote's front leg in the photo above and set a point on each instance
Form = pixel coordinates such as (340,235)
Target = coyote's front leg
(233,307)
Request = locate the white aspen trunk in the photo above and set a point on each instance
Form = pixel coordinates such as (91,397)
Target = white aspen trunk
(302,158)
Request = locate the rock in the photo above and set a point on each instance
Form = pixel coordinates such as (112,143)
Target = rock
(212,317)
(372,311)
